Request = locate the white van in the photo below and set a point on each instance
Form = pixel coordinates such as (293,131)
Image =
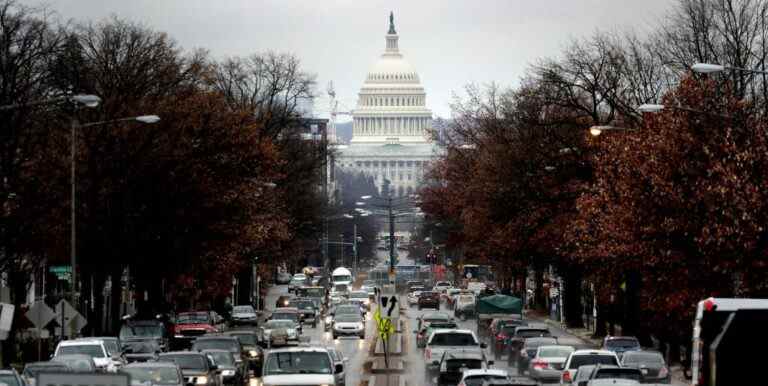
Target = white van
(341,275)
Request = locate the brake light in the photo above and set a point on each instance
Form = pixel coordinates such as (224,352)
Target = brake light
(501,337)
(566,376)
(663,372)
(539,364)
(462,384)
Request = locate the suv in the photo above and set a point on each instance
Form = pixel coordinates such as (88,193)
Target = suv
(580,358)
(142,339)
(197,368)
(244,314)
(621,344)
(429,299)
(250,342)
(223,342)
(307,309)
(454,363)
(94,348)
(590,372)
(442,341)
(515,342)
(300,366)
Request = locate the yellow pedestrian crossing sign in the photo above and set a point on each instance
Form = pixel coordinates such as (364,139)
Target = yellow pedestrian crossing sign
(383,324)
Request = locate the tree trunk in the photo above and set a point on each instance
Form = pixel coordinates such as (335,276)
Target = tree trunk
(600,322)
(630,323)
(572,298)
(539,300)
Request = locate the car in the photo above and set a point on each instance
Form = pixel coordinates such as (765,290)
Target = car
(224,342)
(502,336)
(78,363)
(94,348)
(141,340)
(250,342)
(361,297)
(429,299)
(477,377)
(339,359)
(430,317)
(279,332)
(514,343)
(621,344)
(428,328)
(189,325)
(452,364)
(111,343)
(547,364)
(441,286)
(651,365)
(316,294)
(340,309)
(10,378)
(29,375)
(464,305)
(414,283)
(584,374)
(369,286)
(230,372)
(450,296)
(413,295)
(496,324)
(580,358)
(442,341)
(348,325)
(528,351)
(155,373)
(307,310)
(297,281)
(243,315)
(300,366)
(286,313)
(196,368)
(612,382)
(283,278)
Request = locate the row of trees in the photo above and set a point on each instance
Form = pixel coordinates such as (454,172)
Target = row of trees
(223,179)
(656,218)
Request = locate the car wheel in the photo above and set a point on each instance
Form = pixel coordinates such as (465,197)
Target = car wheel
(335,336)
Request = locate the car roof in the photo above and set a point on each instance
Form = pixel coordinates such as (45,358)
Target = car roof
(215,350)
(453,331)
(607,338)
(464,354)
(557,346)
(81,341)
(285,309)
(435,315)
(473,372)
(539,340)
(177,353)
(216,337)
(151,364)
(75,356)
(7,371)
(593,352)
(298,349)
(240,332)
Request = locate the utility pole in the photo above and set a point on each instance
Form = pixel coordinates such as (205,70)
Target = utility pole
(354,246)
(392,262)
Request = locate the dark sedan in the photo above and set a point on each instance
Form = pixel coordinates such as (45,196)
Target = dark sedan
(651,365)
(429,299)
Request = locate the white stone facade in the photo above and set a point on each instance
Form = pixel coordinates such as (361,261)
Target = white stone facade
(391,124)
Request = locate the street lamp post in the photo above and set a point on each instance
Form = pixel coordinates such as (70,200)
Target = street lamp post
(709,68)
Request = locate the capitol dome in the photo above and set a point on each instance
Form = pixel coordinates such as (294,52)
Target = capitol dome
(392,69)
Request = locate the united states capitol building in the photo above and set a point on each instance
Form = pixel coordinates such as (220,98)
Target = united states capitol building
(391,124)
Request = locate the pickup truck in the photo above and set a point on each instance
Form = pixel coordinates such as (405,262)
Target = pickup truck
(442,341)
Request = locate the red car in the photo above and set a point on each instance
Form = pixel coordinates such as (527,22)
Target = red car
(190,325)
(429,299)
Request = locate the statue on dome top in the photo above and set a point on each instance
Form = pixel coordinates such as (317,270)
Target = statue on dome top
(391,23)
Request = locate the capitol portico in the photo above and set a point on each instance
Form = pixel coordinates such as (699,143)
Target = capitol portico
(391,124)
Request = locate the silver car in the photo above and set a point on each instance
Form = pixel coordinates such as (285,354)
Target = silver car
(546,366)
(339,359)
(155,373)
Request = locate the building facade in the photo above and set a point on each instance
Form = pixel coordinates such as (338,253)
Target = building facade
(391,124)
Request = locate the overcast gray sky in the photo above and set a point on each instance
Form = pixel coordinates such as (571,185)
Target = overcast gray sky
(450,42)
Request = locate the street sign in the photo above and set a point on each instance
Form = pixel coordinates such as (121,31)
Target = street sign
(6,316)
(78,322)
(40,314)
(66,313)
(60,269)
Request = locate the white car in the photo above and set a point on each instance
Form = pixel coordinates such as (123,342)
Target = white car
(348,325)
(94,348)
(478,376)
(441,286)
(288,367)
(580,358)
(413,298)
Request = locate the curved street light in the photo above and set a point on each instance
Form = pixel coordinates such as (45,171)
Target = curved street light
(710,68)
(650,108)
(597,130)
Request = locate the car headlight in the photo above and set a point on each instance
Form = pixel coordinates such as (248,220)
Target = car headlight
(228,373)
(253,353)
(328,320)
(202,380)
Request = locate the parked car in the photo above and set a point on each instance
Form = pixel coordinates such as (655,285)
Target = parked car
(547,365)
(230,372)
(587,373)
(651,365)
(31,370)
(94,348)
(580,358)
(243,315)
(621,344)
(429,327)
(300,366)
(429,299)
(196,367)
(449,370)
(224,342)
(348,325)
(250,342)
(78,363)
(155,373)
(189,325)
(279,332)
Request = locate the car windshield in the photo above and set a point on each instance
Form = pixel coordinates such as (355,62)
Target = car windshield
(466,299)
(273,324)
(302,304)
(632,374)
(141,331)
(216,344)
(622,343)
(338,278)
(531,333)
(243,310)
(155,375)
(477,380)
(33,370)
(455,365)
(348,318)
(186,362)
(193,317)
(581,360)
(312,292)
(555,352)
(285,316)
(453,339)
(76,363)
(642,357)
(246,339)
(347,310)
(8,379)
(222,358)
(92,350)
(442,325)
(298,362)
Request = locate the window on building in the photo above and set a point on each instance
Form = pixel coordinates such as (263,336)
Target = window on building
(359,164)
(375,164)
(400,163)
(391,164)
(367,164)
(410,176)
(400,176)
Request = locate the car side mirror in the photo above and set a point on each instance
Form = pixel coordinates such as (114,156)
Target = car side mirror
(339,369)
(483,345)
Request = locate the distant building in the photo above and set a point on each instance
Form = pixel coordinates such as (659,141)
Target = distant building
(391,124)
